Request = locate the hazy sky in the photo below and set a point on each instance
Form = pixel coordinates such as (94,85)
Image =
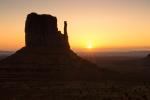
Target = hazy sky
(101,23)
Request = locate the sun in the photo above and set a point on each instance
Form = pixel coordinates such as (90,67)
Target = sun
(89,46)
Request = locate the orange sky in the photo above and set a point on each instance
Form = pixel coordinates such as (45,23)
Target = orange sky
(104,24)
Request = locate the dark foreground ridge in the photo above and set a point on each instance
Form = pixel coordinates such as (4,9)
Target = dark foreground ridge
(47,55)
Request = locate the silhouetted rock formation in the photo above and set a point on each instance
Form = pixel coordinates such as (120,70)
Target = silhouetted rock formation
(47,54)
(41,30)
(37,71)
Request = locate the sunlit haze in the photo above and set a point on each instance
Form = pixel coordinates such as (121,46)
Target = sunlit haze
(107,24)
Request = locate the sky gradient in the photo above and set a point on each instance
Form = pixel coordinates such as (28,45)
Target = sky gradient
(104,24)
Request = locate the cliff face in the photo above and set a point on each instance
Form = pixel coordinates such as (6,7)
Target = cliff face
(42,31)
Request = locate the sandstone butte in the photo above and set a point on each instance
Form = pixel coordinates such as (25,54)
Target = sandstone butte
(47,55)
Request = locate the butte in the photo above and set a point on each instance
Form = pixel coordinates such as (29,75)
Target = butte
(47,55)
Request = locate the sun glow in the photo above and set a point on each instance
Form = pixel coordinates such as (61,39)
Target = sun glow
(90,46)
